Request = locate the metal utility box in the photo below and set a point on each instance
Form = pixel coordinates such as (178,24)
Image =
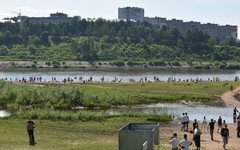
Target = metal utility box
(133,135)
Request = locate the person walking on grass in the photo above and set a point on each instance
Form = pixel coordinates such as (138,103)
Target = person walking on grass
(174,141)
(225,136)
(185,143)
(211,128)
(204,124)
(30,128)
(197,137)
(219,124)
(238,127)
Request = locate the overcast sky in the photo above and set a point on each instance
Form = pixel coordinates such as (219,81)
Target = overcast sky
(212,11)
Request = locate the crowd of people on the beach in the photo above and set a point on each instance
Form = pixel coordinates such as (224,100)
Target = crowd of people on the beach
(222,128)
(36,79)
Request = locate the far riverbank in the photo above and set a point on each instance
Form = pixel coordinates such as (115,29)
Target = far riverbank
(119,64)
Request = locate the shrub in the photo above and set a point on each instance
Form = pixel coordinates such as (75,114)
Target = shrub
(48,63)
(176,63)
(197,67)
(118,63)
(206,66)
(33,66)
(134,63)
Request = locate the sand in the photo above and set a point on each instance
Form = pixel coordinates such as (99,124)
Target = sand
(206,143)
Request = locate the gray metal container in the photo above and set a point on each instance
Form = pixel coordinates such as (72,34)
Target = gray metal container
(133,135)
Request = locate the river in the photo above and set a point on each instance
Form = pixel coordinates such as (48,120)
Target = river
(124,74)
(176,110)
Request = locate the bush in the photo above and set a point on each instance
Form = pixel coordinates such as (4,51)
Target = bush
(197,67)
(233,66)
(134,63)
(33,66)
(118,63)
(206,66)
(176,63)
(158,63)
(48,63)
(55,62)
(56,66)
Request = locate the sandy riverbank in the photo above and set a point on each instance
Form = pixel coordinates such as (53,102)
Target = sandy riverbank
(166,132)
(86,64)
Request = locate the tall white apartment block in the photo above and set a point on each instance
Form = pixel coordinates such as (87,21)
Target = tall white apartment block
(134,13)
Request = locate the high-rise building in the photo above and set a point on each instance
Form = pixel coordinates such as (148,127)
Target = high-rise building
(134,13)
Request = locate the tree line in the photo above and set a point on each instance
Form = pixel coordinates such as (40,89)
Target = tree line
(107,41)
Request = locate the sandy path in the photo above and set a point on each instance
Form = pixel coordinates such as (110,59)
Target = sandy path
(206,143)
(229,99)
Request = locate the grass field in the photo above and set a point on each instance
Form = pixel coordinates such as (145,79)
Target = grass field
(64,135)
(165,92)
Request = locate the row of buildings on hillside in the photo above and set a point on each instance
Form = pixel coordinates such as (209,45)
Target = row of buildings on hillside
(137,14)
(213,30)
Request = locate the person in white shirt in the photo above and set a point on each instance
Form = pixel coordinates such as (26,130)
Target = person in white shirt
(185,143)
(182,121)
(186,121)
(174,141)
(197,135)
(204,124)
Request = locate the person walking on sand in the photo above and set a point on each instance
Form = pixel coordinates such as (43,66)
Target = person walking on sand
(235,113)
(197,137)
(225,136)
(174,141)
(204,124)
(186,121)
(238,127)
(182,121)
(211,127)
(194,125)
(219,124)
(30,128)
(185,143)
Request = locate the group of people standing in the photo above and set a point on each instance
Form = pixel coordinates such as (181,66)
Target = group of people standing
(222,128)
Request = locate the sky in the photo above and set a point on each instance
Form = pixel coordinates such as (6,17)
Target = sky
(205,11)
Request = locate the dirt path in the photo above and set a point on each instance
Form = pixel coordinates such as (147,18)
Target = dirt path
(229,99)
(206,143)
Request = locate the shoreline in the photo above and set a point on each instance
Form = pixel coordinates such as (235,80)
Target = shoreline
(111,65)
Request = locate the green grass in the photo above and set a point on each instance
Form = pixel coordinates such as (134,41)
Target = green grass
(64,135)
(165,92)
(105,95)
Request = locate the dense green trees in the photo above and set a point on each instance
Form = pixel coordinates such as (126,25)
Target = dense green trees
(110,41)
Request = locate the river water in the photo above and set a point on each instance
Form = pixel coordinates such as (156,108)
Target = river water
(124,74)
(176,111)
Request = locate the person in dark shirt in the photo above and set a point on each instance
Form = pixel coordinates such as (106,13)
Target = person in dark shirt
(30,128)
(219,124)
(194,124)
(235,114)
(225,136)
(211,128)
